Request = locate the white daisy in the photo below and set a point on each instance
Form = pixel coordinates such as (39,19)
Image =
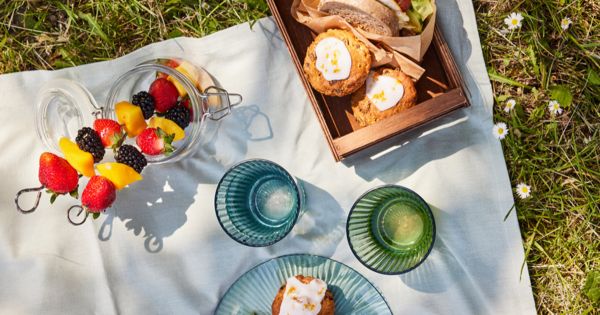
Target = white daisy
(554,108)
(513,20)
(500,130)
(565,23)
(509,105)
(523,190)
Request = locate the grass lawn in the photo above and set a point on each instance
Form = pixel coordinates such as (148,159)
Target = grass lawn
(558,156)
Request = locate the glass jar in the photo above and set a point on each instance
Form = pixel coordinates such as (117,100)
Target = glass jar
(65,106)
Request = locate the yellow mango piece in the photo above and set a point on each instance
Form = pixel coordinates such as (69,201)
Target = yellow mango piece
(82,161)
(188,70)
(168,126)
(131,116)
(119,174)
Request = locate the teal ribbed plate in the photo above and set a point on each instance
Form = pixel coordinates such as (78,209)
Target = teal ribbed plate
(254,291)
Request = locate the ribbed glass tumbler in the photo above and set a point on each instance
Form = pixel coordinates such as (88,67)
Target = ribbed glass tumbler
(258,202)
(391,229)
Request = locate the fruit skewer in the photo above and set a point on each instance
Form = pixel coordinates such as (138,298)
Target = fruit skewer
(60,175)
(155,119)
(56,175)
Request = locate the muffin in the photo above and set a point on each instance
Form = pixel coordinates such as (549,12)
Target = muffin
(295,293)
(386,92)
(337,63)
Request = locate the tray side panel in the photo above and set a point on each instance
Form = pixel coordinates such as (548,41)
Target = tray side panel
(401,122)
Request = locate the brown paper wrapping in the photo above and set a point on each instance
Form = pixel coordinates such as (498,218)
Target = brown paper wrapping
(388,51)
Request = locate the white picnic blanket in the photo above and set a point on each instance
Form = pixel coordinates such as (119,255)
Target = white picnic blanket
(160,249)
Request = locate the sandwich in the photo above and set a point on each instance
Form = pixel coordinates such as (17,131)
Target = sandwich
(383,17)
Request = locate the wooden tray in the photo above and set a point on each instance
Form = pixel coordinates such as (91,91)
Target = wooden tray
(439,91)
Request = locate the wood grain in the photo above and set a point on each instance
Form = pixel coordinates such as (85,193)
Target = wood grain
(439,91)
(401,122)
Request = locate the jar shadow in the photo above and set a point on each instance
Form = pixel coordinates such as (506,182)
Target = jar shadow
(156,206)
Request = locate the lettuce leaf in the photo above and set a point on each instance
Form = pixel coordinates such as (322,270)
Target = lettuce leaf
(419,11)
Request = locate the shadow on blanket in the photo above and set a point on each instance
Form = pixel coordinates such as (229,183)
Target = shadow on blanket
(157,205)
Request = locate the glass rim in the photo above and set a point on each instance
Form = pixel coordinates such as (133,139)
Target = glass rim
(78,97)
(301,254)
(427,210)
(300,202)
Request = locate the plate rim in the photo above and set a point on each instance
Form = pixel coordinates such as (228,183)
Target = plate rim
(301,254)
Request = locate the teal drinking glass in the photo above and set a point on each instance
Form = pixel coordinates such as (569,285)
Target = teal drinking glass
(258,202)
(391,229)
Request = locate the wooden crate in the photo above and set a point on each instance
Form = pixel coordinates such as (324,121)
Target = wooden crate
(439,91)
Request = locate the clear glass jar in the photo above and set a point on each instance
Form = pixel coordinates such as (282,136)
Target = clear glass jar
(65,106)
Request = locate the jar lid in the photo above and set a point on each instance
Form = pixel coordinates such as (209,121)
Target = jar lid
(63,107)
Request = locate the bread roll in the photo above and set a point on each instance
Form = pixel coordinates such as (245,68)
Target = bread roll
(368,15)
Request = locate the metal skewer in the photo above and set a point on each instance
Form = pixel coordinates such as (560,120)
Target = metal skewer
(37,199)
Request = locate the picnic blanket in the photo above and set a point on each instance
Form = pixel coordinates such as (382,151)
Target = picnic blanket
(160,249)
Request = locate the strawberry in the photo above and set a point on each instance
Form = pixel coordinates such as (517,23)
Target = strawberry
(404,4)
(154,141)
(171,63)
(110,132)
(165,94)
(57,175)
(98,195)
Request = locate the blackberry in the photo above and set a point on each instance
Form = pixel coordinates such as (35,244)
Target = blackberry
(146,102)
(128,154)
(179,114)
(88,140)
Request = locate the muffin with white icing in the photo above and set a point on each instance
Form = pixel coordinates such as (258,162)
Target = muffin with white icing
(337,63)
(386,93)
(303,295)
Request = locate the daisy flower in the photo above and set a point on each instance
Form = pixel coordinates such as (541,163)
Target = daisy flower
(513,20)
(565,23)
(509,105)
(500,130)
(554,108)
(523,190)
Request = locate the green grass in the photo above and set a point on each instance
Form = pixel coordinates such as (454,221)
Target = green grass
(557,155)
(53,35)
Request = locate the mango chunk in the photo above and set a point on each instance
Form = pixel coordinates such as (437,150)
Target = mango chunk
(82,161)
(119,174)
(168,126)
(131,117)
(191,72)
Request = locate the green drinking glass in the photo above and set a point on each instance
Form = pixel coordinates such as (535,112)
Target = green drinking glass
(390,229)
(258,202)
